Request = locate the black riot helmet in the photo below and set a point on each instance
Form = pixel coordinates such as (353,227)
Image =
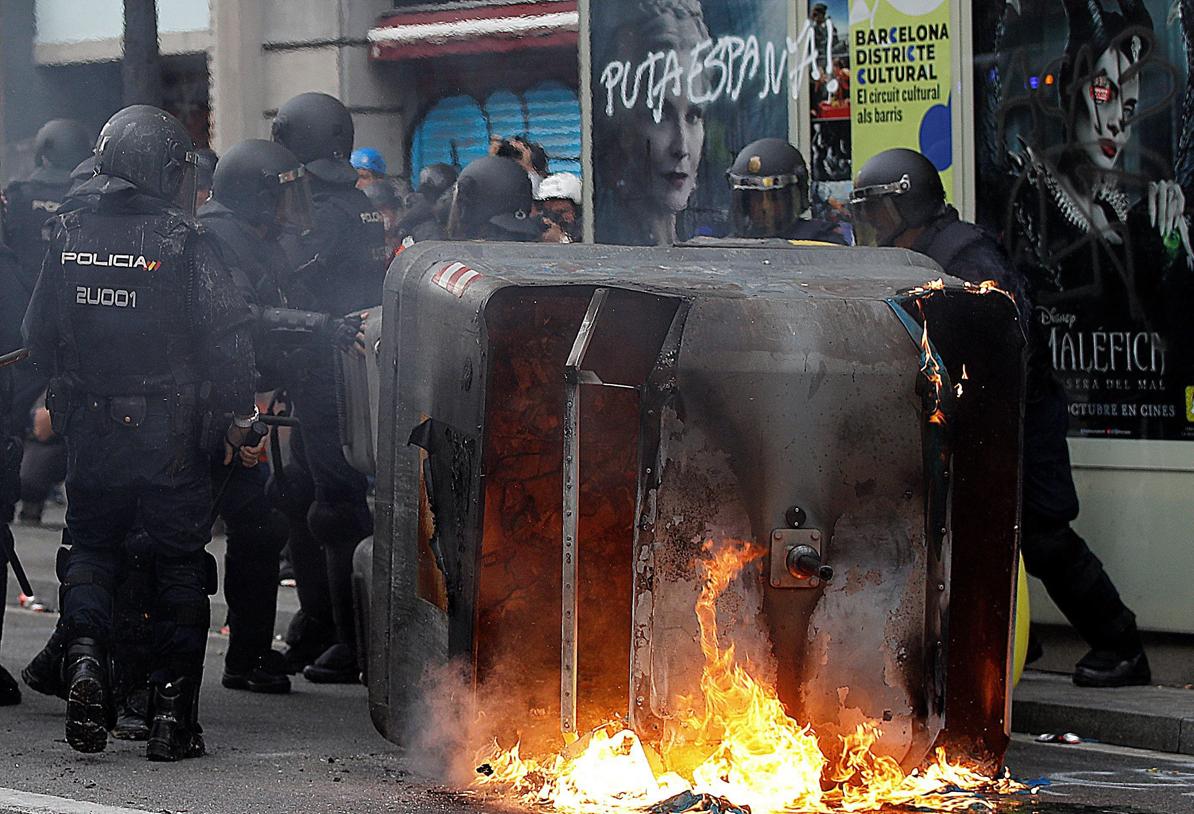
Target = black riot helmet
(768,189)
(265,184)
(150,149)
(493,201)
(435,180)
(61,143)
(896,190)
(318,129)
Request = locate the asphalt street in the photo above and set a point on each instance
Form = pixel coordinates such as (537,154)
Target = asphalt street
(316,751)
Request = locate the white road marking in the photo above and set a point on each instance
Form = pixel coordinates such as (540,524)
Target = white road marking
(26,802)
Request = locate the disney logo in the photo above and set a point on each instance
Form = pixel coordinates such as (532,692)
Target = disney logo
(1051,316)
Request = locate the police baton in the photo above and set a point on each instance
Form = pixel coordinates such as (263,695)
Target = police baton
(10,554)
(12,357)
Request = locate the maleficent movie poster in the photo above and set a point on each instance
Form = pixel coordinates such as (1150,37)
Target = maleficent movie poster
(1084,114)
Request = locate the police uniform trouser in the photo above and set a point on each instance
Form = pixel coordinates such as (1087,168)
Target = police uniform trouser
(256,534)
(152,476)
(1074,577)
(338,517)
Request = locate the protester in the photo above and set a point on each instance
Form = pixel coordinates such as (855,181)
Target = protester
(899,200)
(370,166)
(43,467)
(558,204)
(530,156)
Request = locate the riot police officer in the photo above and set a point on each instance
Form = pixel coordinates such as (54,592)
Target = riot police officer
(338,267)
(259,190)
(493,201)
(419,221)
(148,349)
(59,146)
(11,309)
(769,195)
(898,200)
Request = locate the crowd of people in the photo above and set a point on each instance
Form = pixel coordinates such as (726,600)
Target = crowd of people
(161,291)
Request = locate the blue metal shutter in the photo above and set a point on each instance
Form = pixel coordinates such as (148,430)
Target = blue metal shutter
(456,129)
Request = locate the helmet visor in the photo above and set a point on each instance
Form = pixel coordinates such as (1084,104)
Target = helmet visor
(770,213)
(877,221)
(294,200)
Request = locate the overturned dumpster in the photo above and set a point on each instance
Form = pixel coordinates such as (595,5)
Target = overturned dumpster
(570,438)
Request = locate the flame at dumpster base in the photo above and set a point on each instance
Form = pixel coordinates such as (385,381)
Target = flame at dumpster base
(735,742)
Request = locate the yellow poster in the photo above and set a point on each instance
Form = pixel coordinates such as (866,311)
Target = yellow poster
(900,59)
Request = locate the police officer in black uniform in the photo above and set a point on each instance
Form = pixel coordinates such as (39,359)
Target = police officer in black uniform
(147,345)
(59,146)
(337,267)
(493,201)
(898,200)
(769,194)
(11,310)
(259,191)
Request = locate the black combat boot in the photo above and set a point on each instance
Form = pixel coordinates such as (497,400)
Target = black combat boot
(337,665)
(174,733)
(1112,668)
(87,704)
(268,675)
(10,692)
(132,716)
(44,673)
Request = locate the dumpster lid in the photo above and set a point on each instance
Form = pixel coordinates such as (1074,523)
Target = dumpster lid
(768,270)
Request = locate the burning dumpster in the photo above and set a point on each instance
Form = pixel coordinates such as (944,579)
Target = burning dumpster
(745,518)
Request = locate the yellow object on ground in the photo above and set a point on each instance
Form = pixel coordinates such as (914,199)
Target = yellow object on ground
(1022,620)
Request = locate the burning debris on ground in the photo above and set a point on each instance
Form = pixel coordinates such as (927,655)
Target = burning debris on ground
(741,746)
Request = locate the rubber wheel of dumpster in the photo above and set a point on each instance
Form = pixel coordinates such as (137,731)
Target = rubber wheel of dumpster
(1022,620)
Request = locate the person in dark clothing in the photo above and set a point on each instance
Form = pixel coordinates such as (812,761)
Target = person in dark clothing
(421,220)
(898,200)
(147,347)
(59,146)
(259,191)
(10,444)
(337,267)
(769,195)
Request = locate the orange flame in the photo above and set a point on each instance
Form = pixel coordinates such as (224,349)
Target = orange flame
(742,746)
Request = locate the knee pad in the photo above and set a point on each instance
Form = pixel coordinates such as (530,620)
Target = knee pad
(338,523)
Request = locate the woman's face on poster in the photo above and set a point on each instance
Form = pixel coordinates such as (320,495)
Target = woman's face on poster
(667,151)
(1109,102)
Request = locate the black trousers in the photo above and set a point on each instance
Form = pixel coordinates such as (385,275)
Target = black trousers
(151,477)
(256,535)
(1076,581)
(328,496)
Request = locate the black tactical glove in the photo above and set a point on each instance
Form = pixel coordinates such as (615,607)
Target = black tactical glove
(345,333)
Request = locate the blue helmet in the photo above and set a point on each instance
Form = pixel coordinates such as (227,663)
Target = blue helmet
(367,158)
